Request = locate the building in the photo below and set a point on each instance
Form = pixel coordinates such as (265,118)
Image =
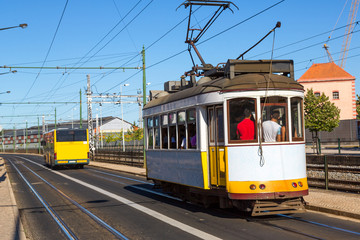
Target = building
(33,134)
(335,83)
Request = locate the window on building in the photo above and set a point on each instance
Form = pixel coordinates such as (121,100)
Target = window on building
(317,94)
(336,95)
(242,119)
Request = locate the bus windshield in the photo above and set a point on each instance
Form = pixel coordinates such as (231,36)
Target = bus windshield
(71,135)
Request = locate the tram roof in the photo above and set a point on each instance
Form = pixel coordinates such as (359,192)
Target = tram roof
(243,82)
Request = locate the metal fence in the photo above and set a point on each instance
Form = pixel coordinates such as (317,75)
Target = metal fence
(132,156)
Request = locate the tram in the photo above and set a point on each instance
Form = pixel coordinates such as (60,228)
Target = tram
(66,147)
(198,150)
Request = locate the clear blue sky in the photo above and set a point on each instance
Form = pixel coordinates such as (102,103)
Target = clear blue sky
(159,27)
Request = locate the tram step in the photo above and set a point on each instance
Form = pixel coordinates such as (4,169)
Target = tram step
(275,207)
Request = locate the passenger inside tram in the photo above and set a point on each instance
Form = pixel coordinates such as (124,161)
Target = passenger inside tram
(271,128)
(246,128)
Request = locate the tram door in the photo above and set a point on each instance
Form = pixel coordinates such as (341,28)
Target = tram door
(216,145)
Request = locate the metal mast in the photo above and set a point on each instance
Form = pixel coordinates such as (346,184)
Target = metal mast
(90,125)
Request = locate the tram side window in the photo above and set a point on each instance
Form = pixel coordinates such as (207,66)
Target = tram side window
(164,132)
(242,119)
(220,124)
(191,127)
(297,119)
(157,132)
(172,130)
(150,128)
(182,144)
(274,119)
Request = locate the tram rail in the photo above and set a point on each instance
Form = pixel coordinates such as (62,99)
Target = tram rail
(61,223)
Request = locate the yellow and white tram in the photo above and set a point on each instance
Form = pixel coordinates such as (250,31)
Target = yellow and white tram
(195,147)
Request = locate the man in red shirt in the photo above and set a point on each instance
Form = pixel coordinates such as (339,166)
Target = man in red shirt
(246,129)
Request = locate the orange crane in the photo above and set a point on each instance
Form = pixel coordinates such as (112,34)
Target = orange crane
(348,32)
(326,47)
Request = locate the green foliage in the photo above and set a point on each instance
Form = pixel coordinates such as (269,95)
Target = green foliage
(320,113)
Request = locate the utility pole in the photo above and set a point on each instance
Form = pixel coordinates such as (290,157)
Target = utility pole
(144,100)
(39,134)
(25,137)
(43,124)
(80,111)
(90,125)
(14,138)
(55,118)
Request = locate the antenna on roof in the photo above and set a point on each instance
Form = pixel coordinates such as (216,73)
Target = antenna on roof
(192,40)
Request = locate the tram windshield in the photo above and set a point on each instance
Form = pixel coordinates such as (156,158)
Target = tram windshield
(280,119)
(274,119)
(242,120)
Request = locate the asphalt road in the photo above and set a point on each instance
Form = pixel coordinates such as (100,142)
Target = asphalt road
(93,203)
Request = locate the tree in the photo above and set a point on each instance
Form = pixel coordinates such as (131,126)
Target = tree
(320,114)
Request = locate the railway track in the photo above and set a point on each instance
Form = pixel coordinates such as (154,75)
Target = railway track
(68,230)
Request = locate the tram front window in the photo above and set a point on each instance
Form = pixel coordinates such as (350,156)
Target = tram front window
(296,119)
(274,119)
(242,120)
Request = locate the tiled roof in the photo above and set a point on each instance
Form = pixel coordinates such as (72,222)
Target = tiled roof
(325,72)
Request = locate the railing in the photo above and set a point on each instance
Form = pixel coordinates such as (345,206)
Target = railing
(133,156)
(336,172)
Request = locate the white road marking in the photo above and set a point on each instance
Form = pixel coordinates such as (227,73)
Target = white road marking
(148,211)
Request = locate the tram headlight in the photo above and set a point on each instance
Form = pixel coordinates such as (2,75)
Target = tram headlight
(262,186)
(300,184)
(294,185)
(252,187)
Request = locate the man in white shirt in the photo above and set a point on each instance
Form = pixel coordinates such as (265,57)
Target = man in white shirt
(271,128)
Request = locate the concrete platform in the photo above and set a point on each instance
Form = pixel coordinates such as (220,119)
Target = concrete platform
(10,224)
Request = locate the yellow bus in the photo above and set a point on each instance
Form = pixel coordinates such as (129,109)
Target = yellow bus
(66,147)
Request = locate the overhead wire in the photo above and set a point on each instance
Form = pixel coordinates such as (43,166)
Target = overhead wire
(49,49)
(88,59)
